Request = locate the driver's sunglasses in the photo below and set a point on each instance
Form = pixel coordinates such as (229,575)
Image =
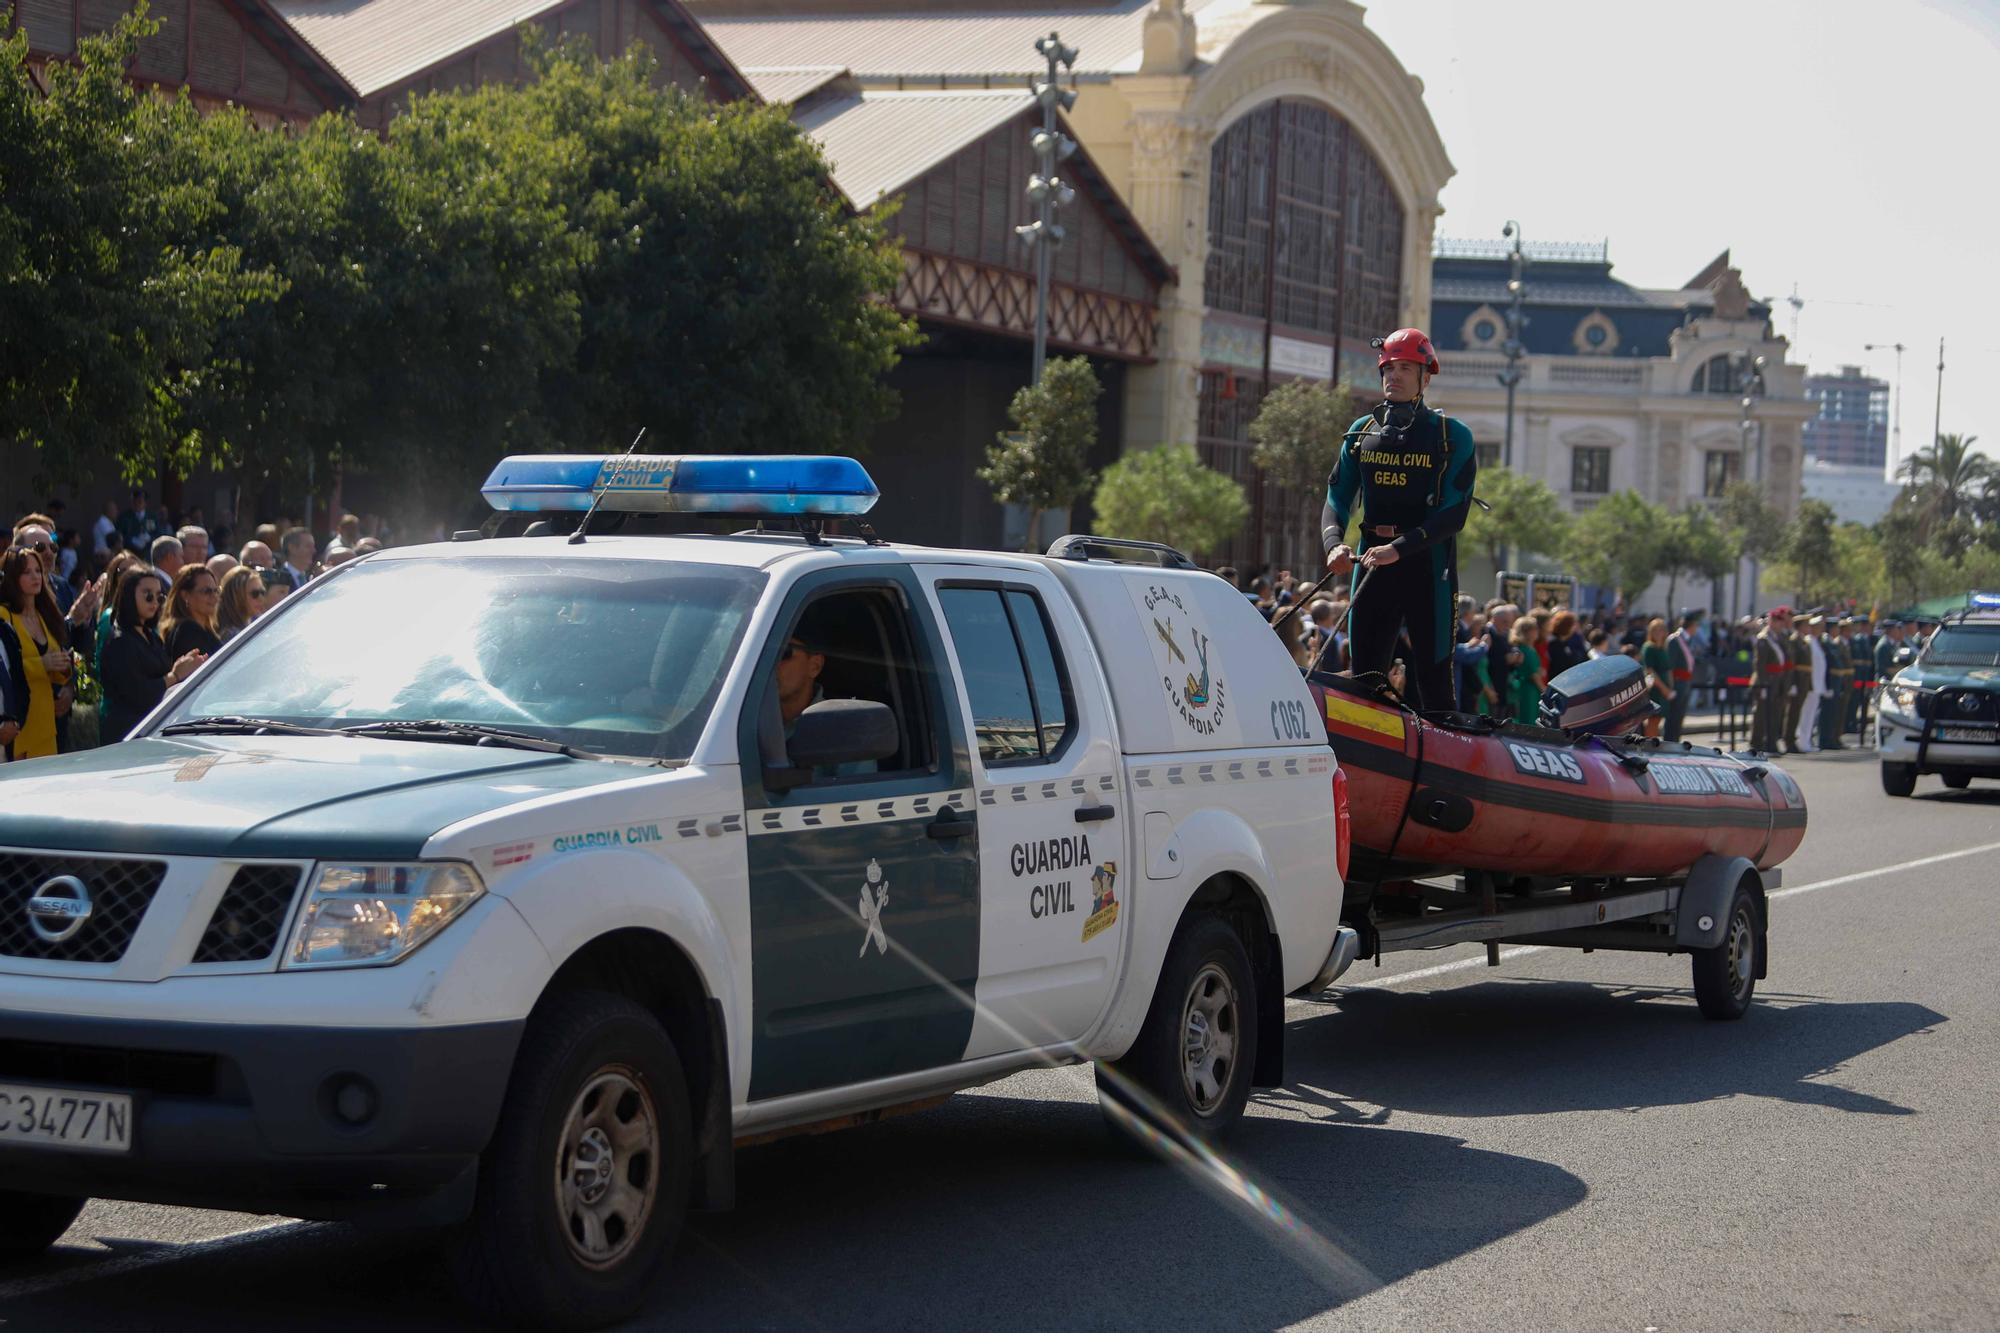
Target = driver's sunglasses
(792,649)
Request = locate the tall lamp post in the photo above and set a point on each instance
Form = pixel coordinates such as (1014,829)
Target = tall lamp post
(1750,378)
(1895,431)
(1511,376)
(1937,410)
(1046,190)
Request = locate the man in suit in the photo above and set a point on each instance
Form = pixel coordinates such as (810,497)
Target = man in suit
(1682,652)
(1771,685)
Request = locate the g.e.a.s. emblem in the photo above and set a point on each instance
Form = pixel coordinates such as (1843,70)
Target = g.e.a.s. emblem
(1190,669)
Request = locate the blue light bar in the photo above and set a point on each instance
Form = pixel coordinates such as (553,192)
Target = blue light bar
(1984,599)
(822,485)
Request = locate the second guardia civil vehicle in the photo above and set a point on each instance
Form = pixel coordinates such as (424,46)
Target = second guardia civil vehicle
(508,884)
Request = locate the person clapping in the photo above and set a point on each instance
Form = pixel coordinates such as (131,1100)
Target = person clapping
(137,668)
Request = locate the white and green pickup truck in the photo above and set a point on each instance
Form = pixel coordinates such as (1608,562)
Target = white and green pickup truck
(507,884)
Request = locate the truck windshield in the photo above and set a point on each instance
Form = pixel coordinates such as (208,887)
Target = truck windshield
(615,657)
(1965,645)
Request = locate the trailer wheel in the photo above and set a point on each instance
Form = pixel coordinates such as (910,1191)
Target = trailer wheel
(1957,781)
(30,1223)
(1725,977)
(1899,779)
(1192,1062)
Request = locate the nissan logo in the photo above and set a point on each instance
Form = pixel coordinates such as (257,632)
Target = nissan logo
(1968,704)
(59,909)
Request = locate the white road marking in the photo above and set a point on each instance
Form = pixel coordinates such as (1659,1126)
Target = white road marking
(1523,950)
(164,1254)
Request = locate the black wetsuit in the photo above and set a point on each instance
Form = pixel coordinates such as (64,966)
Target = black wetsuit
(1415,489)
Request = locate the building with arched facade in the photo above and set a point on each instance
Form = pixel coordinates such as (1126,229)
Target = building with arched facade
(1622,387)
(1276,154)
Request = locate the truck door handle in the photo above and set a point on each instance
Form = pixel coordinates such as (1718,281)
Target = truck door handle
(1090,814)
(950,825)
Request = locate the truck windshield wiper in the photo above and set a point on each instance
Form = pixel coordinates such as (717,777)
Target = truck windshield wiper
(232,722)
(472,733)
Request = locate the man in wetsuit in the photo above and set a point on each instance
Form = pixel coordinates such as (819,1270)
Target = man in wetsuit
(1411,469)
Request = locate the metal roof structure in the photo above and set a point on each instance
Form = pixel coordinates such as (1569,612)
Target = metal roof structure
(782,87)
(377,44)
(877,141)
(930,48)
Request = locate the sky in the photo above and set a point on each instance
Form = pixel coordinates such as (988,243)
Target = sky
(1850,148)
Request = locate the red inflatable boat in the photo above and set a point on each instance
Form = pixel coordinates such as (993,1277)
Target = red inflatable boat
(1442,792)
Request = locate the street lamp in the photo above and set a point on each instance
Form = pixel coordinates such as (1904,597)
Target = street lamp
(1046,190)
(1750,379)
(1517,288)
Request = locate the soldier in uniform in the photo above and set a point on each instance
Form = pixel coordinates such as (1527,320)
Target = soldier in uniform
(1771,683)
(1682,654)
(1840,683)
(1861,646)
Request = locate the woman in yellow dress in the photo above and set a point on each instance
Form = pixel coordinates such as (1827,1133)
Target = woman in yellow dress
(29,607)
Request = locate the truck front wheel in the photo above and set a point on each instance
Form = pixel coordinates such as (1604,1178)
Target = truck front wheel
(30,1223)
(586,1182)
(1192,1062)
(1899,779)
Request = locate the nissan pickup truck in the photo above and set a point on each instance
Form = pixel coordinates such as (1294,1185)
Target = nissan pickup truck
(508,884)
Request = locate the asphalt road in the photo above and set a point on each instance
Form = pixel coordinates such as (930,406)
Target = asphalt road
(1560,1143)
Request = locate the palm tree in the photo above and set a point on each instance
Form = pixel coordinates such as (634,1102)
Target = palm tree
(1947,478)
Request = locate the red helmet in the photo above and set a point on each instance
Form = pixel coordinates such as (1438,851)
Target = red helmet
(1407,345)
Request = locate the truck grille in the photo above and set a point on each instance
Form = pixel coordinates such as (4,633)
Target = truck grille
(120,892)
(1965,706)
(250,917)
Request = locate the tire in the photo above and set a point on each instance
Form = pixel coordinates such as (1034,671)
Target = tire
(1189,1071)
(1725,977)
(30,1223)
(553,1243)
(1957,781)
(1899,779)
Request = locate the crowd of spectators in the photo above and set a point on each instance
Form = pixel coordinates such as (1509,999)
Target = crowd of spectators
(114,613)
(1505,655)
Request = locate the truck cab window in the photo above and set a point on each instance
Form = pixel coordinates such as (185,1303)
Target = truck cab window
(1020,700)
(856,644)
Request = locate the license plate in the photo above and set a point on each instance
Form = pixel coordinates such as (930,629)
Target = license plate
(34,1117)
(1972,734)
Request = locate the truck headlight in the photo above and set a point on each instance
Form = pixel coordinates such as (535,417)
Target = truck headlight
(368,915)
(1903,699)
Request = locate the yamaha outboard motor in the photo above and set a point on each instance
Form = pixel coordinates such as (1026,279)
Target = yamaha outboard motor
(1605,697)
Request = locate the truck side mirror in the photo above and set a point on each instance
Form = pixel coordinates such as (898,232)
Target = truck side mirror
(834,732)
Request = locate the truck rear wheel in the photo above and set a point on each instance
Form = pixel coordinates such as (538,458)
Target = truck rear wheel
(30,1223)
(1725,977)
(1899,779)
(586,1182)
(1191,1064)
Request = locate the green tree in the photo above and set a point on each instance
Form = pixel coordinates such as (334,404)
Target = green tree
(1753,525)
(1900,537)
(1617,542)
(1694,544)
(1044,462)
(1947,479)
(1168,495)
(727,295)
(1297,432)
(1523,515)
(107,310)
(1808,548)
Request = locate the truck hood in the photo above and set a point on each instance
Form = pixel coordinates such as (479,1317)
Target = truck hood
(305,797)
(1936,677)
